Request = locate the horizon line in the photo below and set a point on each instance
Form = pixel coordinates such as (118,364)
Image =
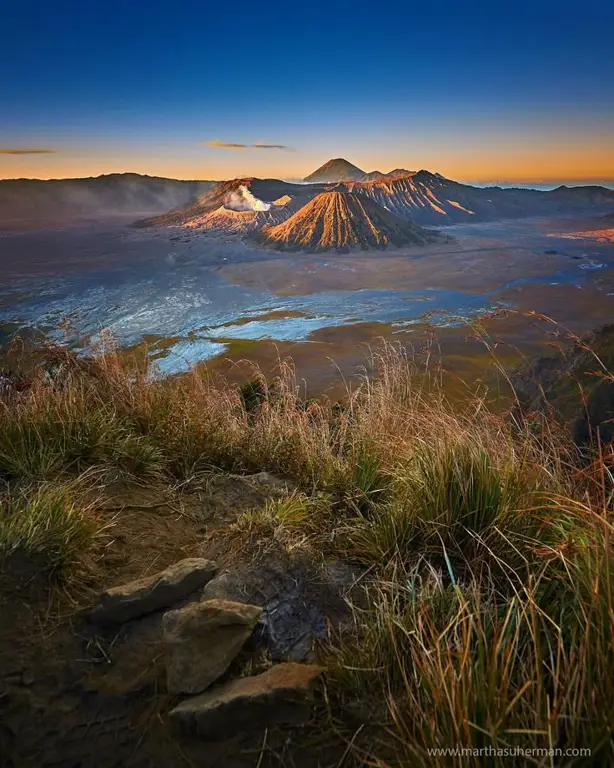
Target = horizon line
(464,180)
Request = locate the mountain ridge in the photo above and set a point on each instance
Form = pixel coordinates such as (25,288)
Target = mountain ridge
(107,194)
(424,197)
(340,169)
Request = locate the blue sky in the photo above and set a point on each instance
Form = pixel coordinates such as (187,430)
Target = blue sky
(473,90)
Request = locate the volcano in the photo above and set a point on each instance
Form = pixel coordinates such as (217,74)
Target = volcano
(422,197)
(240,205)
(337,169)
(342,221)
(340,169)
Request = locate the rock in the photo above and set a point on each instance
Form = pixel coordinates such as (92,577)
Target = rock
(268,480)
(152,593)
(203,639)
(281,695)
(236,586)
(301,603)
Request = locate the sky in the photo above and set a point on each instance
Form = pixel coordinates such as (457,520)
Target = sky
(483,91)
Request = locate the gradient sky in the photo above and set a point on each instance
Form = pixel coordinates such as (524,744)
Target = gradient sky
(494,90)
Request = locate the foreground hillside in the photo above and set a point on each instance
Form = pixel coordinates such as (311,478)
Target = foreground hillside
(342,221)
(396,575)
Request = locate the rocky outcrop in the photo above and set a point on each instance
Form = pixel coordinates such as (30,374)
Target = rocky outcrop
(202,641)
(281,695)
(278,608)
(153,593)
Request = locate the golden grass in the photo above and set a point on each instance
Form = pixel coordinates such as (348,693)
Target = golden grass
(489,613)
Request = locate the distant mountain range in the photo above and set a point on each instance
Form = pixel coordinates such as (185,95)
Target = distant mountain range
(250,205)
(422,197)
(339,169)
(117,193)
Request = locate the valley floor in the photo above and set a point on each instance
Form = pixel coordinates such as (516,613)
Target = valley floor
(186,297)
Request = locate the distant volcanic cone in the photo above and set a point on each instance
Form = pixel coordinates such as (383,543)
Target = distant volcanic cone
(342,221)
(338,169)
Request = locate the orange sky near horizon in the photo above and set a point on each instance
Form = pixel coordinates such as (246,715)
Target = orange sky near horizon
(581,161)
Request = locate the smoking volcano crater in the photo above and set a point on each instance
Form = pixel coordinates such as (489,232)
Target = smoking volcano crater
(241,212)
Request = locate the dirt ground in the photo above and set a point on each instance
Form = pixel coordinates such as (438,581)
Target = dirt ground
(75,696)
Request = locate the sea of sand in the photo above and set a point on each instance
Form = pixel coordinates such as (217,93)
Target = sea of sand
(195,297)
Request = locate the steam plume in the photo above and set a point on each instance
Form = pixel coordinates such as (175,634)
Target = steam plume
(244,200)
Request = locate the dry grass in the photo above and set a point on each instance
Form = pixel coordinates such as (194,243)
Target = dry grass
(490,616)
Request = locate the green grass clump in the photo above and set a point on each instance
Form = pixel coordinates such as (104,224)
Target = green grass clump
(50,522)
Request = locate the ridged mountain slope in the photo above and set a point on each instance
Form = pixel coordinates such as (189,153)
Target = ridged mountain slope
(429,198)
(342,221)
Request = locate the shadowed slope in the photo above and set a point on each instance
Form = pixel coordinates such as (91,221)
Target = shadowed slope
(342,221)
(430,198)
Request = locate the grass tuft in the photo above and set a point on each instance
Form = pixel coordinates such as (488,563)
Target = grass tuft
(48,521)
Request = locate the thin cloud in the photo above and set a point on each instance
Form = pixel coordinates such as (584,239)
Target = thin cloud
(274,146)
(11,151)
(226,145)
(238,147)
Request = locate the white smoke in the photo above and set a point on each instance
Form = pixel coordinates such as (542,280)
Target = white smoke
(244,200)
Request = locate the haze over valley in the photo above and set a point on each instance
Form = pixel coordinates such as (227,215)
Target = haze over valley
(201,269)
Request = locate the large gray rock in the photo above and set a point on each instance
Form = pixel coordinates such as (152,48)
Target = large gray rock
(203,639)
(301,602)
(281,695)
(152,593)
